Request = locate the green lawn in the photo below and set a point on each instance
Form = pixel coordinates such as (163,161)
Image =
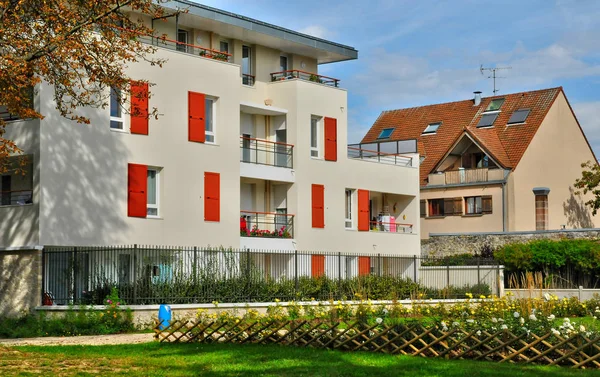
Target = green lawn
(153,359)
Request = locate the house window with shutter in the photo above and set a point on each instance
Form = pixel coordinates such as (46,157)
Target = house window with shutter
(486,204)
(143,196)
(436,207)
(212,197)
(318,206)
(541,212)
(139,108)
(453,206)
(423,208)
(473,205)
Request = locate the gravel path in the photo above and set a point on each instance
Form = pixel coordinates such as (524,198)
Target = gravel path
(92,340)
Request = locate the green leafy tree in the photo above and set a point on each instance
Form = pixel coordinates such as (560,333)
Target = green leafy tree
(588,183)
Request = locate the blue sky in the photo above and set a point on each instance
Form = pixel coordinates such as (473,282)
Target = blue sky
(415,53)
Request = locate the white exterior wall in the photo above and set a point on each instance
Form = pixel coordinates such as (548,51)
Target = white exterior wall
(80,179)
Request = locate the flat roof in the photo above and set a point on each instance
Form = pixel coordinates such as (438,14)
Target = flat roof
(237,26)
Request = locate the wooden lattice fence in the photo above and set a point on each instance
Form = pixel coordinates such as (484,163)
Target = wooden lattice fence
(577,351)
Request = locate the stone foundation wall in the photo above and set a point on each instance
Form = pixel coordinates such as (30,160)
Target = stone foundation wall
(20,281)
(441,245)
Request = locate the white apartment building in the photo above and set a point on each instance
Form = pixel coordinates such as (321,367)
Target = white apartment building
(249,151)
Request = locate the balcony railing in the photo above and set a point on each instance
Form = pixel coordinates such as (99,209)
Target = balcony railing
(356,151)
(265,152)
(452,177)
(391,227)
(306,76)
(266,224)
(19,197)
(247,79)
(180,46)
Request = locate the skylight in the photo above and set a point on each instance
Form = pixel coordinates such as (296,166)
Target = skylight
(495,104)
(386,133)
(487,120)
(432,128)
(519,116)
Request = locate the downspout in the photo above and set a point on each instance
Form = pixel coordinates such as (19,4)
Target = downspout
(504,201)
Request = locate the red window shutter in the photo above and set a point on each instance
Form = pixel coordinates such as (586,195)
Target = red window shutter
(317,265)
(330,139)
(212,197)
(363,210)
(137,194)
(196,117)
(318,206)
(364,266)
(139,108)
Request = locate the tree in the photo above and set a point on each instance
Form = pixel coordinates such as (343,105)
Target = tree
(588,183)
(80,47)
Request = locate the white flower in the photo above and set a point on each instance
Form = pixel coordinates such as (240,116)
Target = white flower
(551,317)
(444,329)
(533,317)
(504,327)
(495,320)
(516,314)
(547,296)
(379,320)
(455,324)
(500,320)
(582,328)
(443,324)
(566,320)
(555,332)
(521,320)
(385,311)
(470,320)
(478,333)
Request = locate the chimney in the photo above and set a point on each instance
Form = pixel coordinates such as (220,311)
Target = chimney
(477,98)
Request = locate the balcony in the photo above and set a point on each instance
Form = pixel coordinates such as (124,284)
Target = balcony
(266,225)
(357,152)
(247,79)
(390,227)
(264,159)
(294,74)
(461,176)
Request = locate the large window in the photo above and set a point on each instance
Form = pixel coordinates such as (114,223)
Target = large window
(210,120)
(224,47)
(473,205)
(283,63)
(348,208)
(153,192)
(436,207)
(182,38)
(541,212)
(16,187)
(116,112)
(315,136)
(246,65)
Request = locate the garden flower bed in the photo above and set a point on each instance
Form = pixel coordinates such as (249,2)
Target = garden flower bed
(542,331)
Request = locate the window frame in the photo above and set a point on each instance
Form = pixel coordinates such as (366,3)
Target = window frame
(156,205)
(474,199)
(391,129)
(435,124)
(184,47)
(287,62)
(493,114)
(349,208)
(117,119)
(488,108)
(431,212)
(213,119)
(221,46)
(318,137)
(509,123)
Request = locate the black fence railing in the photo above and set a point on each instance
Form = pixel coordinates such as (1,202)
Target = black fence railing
(266,152)
(247,79)
(266,224)
(177,275)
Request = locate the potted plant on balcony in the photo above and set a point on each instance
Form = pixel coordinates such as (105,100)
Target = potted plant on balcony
(314,78)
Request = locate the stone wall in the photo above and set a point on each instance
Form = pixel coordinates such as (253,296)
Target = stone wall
(440,245)
(20,281)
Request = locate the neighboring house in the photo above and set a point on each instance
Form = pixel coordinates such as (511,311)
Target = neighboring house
(250,139)
(502,163)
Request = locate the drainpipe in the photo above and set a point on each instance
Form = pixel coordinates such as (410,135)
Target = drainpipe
(504,201)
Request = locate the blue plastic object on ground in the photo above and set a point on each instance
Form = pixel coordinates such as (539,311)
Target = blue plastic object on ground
(164,316)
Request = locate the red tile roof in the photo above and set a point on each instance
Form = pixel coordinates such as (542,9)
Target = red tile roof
(505,144)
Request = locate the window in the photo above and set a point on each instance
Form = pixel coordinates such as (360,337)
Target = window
(495,104)
(182,38)
(423,209)
(431,128)
(436,207)
(153,192)
(315,131)
(283,63)
(210,120)
(473,205)
(386,133)
(541,212)
(16,188)
(116,113)
(246,65)
(348,208)
(487,120)
(519,116)
(224,47)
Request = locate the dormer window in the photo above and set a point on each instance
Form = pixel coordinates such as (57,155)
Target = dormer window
(519,116)
(495,104)
(487,120)
(431,128)
(386,133)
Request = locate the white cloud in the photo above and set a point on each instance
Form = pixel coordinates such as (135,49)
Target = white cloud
(316,31)
(588,115)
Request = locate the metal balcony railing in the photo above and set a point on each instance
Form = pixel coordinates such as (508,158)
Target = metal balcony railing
(266,224)
(391,227)
(306,76)
(18,197)
(356,151)
(265,152)
(247,79)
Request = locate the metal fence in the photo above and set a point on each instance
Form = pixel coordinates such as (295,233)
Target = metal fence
(178,275)
(265,152)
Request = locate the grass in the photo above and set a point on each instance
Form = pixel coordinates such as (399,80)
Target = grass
(154,359)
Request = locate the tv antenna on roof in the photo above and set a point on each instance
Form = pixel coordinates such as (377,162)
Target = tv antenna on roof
(493,74)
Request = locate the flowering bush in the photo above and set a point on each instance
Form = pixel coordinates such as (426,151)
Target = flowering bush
(255,232)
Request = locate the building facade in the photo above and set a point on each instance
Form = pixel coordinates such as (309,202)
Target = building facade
(496,164)
(248,151)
